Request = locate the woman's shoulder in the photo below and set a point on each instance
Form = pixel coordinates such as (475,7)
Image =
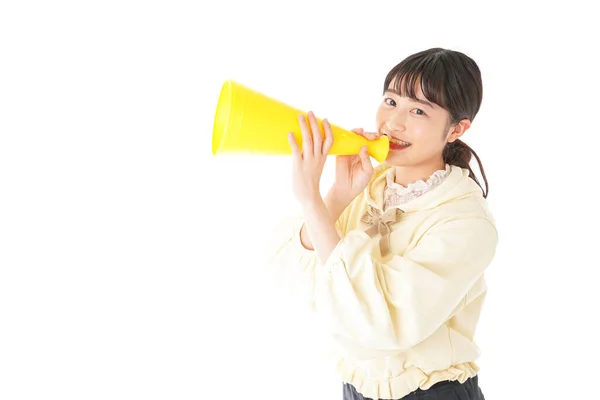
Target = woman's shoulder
(472,205)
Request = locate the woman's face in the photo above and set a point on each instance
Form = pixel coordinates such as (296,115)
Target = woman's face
(418,129)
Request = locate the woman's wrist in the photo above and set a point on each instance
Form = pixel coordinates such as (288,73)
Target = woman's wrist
(337,200)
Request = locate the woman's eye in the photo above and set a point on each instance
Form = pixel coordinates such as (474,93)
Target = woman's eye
(418,111)
(390,102)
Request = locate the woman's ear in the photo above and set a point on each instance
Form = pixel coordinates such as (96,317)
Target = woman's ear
(456,131)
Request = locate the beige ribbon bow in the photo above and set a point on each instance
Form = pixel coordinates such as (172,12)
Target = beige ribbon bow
(380,224)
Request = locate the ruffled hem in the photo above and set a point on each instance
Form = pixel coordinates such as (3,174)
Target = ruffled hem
(411,379)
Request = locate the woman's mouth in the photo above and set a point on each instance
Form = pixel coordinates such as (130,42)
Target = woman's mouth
(397,144)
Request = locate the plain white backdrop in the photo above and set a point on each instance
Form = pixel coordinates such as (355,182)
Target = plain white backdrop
(131,259)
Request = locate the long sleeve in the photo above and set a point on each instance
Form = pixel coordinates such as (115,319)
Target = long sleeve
(376,309)
(294,267)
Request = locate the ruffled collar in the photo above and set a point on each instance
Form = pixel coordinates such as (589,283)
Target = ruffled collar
(395,193)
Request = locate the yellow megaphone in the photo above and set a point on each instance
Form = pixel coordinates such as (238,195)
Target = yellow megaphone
(247,121)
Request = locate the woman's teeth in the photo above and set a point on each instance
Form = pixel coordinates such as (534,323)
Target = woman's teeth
(399,142)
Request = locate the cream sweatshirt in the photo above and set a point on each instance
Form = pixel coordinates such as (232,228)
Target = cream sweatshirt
(402,292)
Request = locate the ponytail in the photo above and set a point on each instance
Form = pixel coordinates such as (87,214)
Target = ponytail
(459,153)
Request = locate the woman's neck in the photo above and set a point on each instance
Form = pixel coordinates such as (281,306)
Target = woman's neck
(406,175)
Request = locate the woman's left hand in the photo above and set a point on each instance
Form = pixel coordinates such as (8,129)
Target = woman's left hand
(309,162)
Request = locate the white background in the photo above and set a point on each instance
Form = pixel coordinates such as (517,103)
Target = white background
(131,259)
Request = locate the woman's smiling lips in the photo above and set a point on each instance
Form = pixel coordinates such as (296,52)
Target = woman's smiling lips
(397,143)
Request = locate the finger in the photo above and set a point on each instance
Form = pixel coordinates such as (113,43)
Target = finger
(365,159)
(296,154)
(307,142)
(366,135)
(328,143)
(371,135)
(317,136)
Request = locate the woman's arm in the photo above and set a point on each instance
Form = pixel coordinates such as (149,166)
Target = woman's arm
(335,204)
(377,308)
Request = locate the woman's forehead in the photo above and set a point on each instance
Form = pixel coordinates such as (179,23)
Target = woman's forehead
(398,86)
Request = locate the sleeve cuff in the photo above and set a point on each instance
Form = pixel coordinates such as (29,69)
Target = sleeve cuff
(296,242)
(355,244)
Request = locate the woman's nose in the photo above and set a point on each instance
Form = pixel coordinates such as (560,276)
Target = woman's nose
(396,122)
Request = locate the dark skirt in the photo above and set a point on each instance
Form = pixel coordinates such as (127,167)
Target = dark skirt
(447,390)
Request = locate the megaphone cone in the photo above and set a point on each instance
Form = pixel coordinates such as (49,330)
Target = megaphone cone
(247,121)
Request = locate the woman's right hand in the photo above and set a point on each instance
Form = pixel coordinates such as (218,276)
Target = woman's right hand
(353,172)
(352,175)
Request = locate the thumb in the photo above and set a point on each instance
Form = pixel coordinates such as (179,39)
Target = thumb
(357,130)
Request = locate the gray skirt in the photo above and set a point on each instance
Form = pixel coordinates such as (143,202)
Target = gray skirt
(447,390)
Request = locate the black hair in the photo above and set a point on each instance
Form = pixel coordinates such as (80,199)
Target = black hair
(451,80)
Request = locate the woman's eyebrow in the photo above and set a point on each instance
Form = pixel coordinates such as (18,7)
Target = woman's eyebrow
(421,101)
(425,102)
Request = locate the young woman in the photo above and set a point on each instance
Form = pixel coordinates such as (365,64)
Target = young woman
(393,257)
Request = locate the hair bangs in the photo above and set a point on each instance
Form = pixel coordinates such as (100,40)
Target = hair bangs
(427,71)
